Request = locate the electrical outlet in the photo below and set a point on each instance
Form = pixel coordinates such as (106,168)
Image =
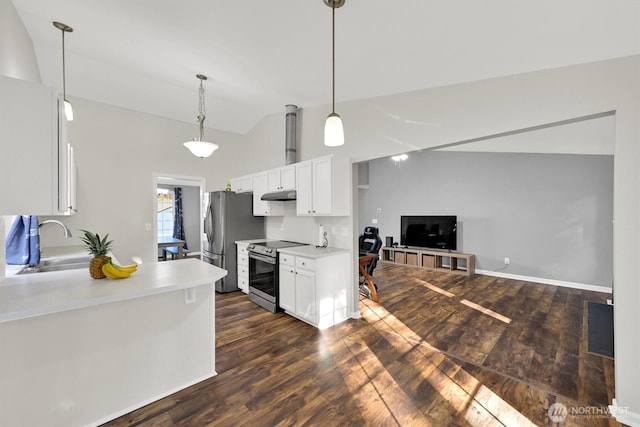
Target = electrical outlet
(190,295)
(374,221)
(507,261)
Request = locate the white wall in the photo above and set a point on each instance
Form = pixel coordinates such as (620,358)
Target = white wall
(17,56)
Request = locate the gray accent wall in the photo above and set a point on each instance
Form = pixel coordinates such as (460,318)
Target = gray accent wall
(551,214)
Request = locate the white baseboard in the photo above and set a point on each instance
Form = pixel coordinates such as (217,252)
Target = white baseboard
(355,315)
(574,285)
(623,415)
(151,400)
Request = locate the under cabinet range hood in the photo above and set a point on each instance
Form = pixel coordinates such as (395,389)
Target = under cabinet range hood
(279,196)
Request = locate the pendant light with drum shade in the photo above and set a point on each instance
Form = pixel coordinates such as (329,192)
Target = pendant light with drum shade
(333,130)
(199,147)
(68,110)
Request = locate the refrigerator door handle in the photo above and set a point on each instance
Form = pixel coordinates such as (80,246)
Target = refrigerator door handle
(208,223)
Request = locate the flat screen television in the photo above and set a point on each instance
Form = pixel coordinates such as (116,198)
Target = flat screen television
(431,232)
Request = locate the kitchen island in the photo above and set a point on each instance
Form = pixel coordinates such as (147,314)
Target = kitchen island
(79,351)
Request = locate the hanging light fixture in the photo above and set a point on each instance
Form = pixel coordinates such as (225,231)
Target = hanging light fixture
(333,130)
(68,110)
(198,147)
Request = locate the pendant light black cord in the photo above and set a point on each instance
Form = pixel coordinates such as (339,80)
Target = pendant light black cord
(333,58)
(64,78)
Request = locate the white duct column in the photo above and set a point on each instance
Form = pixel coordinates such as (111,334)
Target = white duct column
(291,120)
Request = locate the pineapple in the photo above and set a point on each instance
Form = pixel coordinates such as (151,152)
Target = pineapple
(98,248)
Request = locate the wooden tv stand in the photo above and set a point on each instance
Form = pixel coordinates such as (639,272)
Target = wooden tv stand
(450,262)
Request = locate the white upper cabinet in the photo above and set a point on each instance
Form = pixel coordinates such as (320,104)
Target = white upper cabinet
(273,180)
(262,207)
(36,163)
(67,175)
(281,179)
(242,184)
(322,186)
(288,177)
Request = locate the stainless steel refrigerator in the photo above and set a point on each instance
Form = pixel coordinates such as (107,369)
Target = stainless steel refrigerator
(228,217)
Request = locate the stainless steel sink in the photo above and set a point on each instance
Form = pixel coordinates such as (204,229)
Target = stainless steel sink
(58,265)
(65,261)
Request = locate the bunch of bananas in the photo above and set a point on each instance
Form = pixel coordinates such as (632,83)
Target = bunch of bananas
(114,271)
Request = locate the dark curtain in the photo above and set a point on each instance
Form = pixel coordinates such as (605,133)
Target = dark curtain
(178,224)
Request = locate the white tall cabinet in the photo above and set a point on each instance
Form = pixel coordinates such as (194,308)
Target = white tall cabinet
(36,162)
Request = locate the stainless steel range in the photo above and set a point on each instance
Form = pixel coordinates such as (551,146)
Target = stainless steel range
(263,272)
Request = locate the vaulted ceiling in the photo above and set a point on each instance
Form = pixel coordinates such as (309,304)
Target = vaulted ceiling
(259,55)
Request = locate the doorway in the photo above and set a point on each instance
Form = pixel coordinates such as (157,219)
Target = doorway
(192,191)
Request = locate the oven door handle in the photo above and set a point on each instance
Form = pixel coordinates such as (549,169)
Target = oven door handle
(262,258)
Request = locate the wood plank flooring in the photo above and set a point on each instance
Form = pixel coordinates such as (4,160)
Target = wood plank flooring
(438,350)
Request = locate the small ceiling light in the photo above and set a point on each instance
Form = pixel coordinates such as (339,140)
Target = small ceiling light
(198,147)
(400,158)
(68,110)
(333,130)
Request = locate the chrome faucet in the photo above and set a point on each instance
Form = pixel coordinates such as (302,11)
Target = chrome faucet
(67,232)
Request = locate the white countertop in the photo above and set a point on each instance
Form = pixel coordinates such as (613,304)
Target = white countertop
(311,251)
(38,294)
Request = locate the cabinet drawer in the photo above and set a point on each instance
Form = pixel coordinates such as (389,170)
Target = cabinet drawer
(242,250)
(243,284)
(305,263)
(286,259)
(243,259)
(243,271)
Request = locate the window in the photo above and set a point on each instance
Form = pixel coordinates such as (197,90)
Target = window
(165,212)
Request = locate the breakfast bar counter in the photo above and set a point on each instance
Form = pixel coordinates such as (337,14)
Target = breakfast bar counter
(86,351)
(36,294)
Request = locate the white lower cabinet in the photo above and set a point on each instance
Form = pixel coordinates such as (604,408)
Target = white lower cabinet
(306,301)
(315,289)
(243,267)
(287,297)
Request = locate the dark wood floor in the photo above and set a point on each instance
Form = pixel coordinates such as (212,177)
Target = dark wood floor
(439,350)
